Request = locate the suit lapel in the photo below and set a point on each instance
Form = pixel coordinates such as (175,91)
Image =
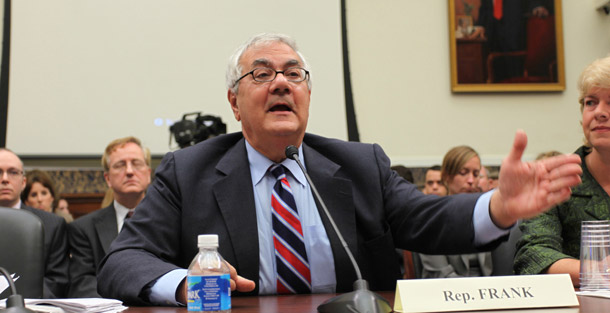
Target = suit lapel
(336,192)
(235,195)
(106,227)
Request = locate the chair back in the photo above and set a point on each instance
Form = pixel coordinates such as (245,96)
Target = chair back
(22,251)
(503,256)
(541,46)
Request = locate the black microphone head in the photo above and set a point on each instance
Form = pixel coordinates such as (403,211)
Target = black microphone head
(292,152)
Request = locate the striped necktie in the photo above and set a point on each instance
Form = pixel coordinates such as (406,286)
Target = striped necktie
(293,275)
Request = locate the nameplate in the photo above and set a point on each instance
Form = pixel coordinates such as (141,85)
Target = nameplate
(484,293)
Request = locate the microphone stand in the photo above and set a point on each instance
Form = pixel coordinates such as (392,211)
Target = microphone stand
(361,300)
(14,302)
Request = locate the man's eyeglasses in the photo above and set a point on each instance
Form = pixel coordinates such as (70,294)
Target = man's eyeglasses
(11,173)
(121,166)
(265,74)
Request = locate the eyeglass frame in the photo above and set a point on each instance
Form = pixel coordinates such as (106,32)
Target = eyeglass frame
(11,173)
(121,165)
(275,76)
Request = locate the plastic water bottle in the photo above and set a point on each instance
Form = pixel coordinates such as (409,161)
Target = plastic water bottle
(208,279)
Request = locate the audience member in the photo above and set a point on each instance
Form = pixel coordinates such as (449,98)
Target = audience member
(548,154)
(493,178)
(127,172)
(108,198)
(223,186)
(404,172)
(460,173)
(485,182)
(63,210)
(39,191)
(551,242)
(433,184)
(12,183)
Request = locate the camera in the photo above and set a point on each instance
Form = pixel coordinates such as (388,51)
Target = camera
(188,132)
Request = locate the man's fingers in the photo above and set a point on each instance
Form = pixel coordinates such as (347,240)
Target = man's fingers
(564,163)
(238,282)
(559,196)
(244,284)
(519,144)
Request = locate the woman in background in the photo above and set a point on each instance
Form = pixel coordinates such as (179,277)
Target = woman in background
(63,210)
(551,241)
(459,172)
(39,191)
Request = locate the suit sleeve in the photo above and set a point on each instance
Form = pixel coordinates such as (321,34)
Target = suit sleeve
(427,223)
(56,278)
(83,282)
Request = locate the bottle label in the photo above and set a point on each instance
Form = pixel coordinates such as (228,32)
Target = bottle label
(209,293)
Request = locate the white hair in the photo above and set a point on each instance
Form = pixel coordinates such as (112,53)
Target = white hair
(234,69)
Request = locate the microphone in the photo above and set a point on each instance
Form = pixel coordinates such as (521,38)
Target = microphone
(14,302)
(360,300)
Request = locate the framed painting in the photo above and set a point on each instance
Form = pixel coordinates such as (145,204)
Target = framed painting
(506,46)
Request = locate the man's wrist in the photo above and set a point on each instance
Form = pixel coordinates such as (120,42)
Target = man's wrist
(497,212)
(181,292)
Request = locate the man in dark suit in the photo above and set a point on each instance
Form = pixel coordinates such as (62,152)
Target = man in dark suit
(12,183)
(223,186)
(127,172)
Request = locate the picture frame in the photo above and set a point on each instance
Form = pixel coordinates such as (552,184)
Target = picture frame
(529,57)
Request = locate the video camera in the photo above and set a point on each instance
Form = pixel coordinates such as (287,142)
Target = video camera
(188,132)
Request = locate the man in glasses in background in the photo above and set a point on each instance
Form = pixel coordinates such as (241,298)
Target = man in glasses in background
(127,172)
(241,186)
(12,183)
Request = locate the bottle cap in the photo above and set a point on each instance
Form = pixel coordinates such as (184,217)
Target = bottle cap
(207,241)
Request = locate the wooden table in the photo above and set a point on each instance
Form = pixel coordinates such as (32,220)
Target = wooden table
(309,303)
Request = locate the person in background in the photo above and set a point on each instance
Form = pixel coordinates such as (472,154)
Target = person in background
(223,186)
(486,182)
(548,154)
(39,191)
(12,184)
(108,198)
(493,178)
(127,172)
(63,210)
(433,185)
(404,172)
(551,242)
(460,173)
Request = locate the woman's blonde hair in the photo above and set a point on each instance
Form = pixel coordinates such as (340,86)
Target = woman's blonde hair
(454,161)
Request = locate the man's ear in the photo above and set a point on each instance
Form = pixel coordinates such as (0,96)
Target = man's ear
(233,101)
(107,179)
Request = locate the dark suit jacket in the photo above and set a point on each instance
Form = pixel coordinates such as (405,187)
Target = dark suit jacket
(90,237)
(207,189)
(56,277)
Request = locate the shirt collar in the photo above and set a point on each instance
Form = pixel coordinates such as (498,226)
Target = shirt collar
(120,209)
(259,164)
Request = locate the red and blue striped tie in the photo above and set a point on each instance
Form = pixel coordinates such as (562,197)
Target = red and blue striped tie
(293,275)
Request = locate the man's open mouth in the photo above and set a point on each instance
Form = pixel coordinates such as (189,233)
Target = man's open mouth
(280,107)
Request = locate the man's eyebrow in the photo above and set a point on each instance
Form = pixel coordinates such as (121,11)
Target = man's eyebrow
(263,62)
(267,63)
